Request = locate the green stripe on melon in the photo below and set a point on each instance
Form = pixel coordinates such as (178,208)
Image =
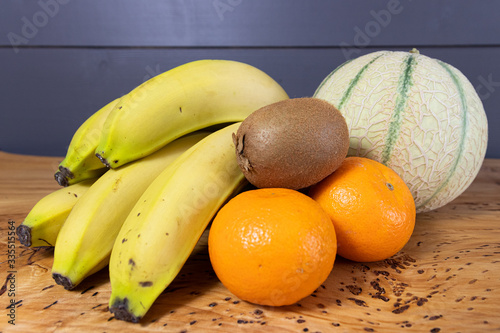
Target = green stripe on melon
(404,83)
(355,80)
(417,115)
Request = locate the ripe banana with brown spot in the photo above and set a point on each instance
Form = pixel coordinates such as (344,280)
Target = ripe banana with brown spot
(87,237)
(80,162)
(163,228)
(42,224)
(192,96)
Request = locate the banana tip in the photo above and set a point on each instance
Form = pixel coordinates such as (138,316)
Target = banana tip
(103,160)
(121,311)
(24,234)
(63,175)
(61,179)
(63,281)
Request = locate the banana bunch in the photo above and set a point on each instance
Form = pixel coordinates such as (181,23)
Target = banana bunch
(141,179)
(86,238)
(184,99)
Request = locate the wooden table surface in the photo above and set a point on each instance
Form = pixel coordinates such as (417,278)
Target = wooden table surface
(446,279)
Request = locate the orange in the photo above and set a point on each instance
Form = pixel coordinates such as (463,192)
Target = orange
(371,207)
(272,246)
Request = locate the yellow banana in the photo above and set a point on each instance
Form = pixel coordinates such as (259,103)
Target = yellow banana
(42,224)
(87,237)
(187,98)
(164,226)
(80,162)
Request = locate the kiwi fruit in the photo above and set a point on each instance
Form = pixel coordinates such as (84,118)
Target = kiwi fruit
(293,143)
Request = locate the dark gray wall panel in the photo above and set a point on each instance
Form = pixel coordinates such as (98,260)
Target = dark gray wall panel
(249,22)
(75,56)
(47,93)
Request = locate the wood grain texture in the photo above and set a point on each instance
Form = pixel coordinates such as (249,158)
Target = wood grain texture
(446,279)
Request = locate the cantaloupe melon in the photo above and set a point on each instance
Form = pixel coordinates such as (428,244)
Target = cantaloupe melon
(420,116)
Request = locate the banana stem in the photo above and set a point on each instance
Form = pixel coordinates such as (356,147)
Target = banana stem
(24,234)
(63,281)
(121,311)
(62,176)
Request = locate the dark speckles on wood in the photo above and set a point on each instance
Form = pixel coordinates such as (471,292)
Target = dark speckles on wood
(355,290)
(358,302)
(89,288)
(435,317)
(421,301)
(385,273)
(376,285)
(381,297)
(401,309)
(48,306)
(258,312)
(17,304)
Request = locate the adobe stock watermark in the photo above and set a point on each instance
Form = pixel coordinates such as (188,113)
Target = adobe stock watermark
(141,91)
(223,6)
(486,86)
(363,36)
(11,281)
(215,184)
(151,72)
(32,25)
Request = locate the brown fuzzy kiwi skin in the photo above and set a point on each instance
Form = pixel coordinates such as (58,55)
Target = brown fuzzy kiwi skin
(293,143)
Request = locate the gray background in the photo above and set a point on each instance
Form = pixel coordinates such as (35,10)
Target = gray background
(61,60)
